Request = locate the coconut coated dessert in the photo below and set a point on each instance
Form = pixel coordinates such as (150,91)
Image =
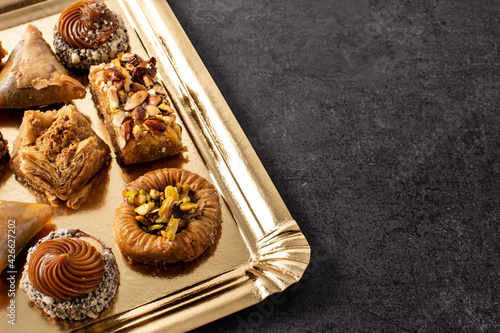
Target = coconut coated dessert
(70,274)
(89,33)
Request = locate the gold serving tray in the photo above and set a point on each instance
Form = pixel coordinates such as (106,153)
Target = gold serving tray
(260,249)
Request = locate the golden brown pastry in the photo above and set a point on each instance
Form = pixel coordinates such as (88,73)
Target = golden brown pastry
(58,153)
(19,222)
(169,215)
(32,76)
(4,155)
(135,109)
(3,53)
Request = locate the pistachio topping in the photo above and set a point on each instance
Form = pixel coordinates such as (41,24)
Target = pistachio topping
(163,213)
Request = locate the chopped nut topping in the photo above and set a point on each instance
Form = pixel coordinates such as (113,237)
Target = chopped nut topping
(134,96)
(163,213)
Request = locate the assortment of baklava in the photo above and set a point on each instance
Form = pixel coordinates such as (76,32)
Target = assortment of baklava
(167,215)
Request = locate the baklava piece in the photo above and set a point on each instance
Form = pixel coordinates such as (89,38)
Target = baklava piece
(70,275)
(3,53)
(135,109)
(27,219)
(58,153)
(32,76)
(4,155)
(168,215)
(89,33)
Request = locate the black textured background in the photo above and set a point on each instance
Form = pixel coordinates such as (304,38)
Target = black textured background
(378,123)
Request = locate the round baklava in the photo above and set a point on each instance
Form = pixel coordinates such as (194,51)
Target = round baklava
(168,215)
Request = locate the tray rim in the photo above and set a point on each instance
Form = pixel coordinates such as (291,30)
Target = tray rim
(280,252)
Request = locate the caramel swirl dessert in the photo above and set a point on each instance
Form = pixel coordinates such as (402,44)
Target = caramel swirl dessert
(87,24)
(168,215)
(66,268)
(88,33)
(136,109)
(70,275)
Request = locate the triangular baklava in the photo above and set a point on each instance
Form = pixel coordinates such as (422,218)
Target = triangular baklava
(19,222)
(32,76)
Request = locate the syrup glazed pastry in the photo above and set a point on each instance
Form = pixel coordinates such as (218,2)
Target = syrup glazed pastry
(89,33)
(29,219)
(70,275)
(3,53)
(4,155)
(58,153)
(169,215)
(135,109)
(32,76)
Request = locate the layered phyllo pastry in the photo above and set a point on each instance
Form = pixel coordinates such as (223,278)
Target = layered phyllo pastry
(135,109)
(4,155)
(89,33)
(58,154)
(3,53)
(32,75)
(70,274)
(24,220)
(168,215)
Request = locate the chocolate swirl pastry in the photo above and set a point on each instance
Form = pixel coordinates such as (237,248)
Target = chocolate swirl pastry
(66,268)
(87,24)
(89,33)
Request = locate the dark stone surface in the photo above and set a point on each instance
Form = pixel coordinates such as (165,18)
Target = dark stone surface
(378,122)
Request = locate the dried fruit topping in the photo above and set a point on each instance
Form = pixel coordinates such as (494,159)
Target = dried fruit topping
(163,213)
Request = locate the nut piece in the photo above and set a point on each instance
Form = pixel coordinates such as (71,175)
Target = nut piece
(153,100)
(131,58)
(155,125)
(136,99)
(145,68)
(152,110)
(137,86)
(113,97)
(166,208)
(126,133)
(116,74)
(139,113)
